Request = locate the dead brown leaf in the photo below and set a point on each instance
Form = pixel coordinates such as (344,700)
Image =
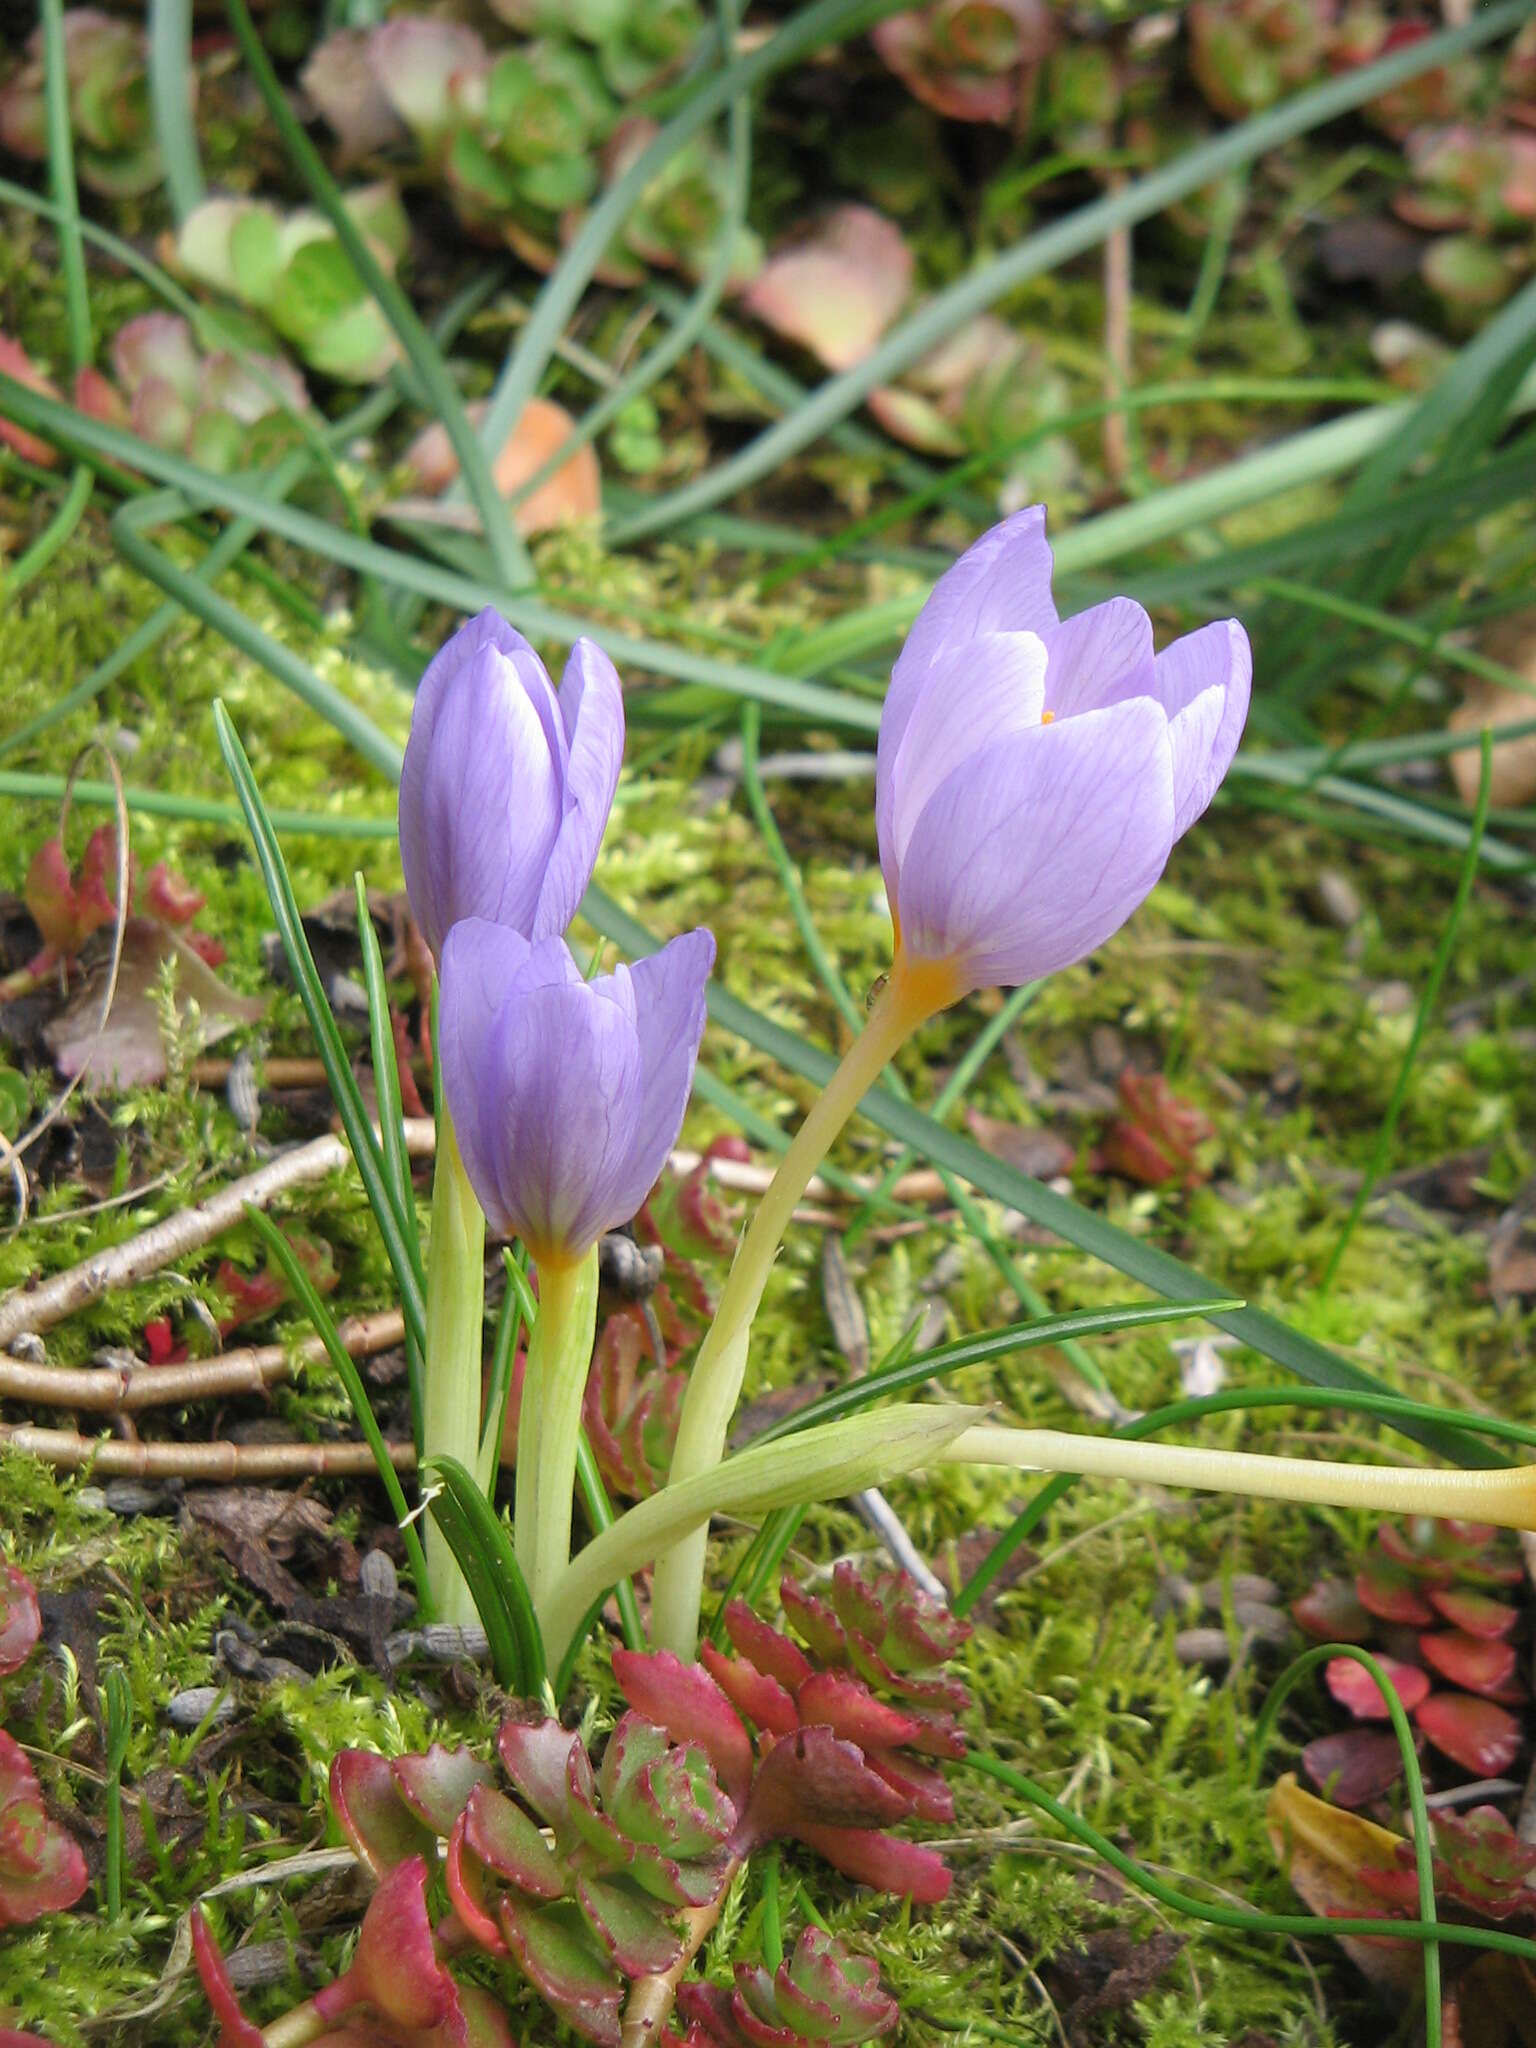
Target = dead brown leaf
(129,1049)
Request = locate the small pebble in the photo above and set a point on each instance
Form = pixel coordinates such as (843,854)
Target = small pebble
(190,1709)
(376,1575)
(93,1499)
(29,1348)
(1207,1646)
(261,1963)
(440,1641)
(1391,998)
(115,1358)
(1268,1624)
(1336,900)
(1247,1588)
(128,1497)
(242,1092)
(1176,1595)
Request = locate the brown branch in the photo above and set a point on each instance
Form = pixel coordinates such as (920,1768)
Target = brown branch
(651,2000)
(70,1452)
(40,1304)
(1117,337)
(112,1390)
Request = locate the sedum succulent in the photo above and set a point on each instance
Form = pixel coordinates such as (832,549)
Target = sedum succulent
(821,1992)
(578,1875)
(973,60)
(109,113)
(41,1867)
(21,1622)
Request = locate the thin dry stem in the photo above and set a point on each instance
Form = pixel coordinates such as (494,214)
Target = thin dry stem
(124,1390)
(230,1463)
(1117,336)
(38,1307)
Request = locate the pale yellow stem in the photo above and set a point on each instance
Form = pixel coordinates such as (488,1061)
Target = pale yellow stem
(1506,1498)
(450,1424)
(559,1358)
(913,992)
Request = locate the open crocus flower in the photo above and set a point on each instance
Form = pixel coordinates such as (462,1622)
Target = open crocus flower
(507,783)
(567,1095)
(1034,772)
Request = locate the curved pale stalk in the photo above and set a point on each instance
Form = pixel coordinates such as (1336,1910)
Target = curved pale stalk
(450,1425)
(1505,1497)
(825,1463)
(913,993)
(549,1420)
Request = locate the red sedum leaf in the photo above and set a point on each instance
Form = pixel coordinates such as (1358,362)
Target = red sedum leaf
(1353,1687)
(1480,1735)
(20,1621)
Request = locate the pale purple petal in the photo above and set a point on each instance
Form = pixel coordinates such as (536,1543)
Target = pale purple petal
(977,693)
(669,1004)
(485,810)
(1204,682)
(486,629)
(482,964)
(568,1063)
(591,705)
(1036,850)
(1000,585)
(1098,657)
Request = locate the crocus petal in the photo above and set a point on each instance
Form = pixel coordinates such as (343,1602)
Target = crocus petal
(669,1021)
(985,689)
(1035,850)
(482,964)
(569,1070)
(1000,585)
(1204,682)
(591,707)
(1101,656)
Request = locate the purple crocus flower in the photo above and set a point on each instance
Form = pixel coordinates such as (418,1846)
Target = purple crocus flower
(1034,772)
(567,1095)
(507,783)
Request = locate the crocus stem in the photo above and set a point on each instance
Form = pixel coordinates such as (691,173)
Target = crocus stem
(296,2027)
(910,996)
(549,1421)
(455,1328)
(1506,1498)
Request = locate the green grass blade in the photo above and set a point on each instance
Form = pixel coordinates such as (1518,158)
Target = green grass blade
(198,810)
(965,1351)
(482,1546)
(171,85)
(1144,1263)
(344,1089)
(972,295)
(303,1289)
(442,394)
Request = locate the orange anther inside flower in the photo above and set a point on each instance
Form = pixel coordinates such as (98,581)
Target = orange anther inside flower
(1046,717)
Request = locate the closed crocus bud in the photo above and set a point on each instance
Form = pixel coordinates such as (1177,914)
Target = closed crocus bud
(507,783)
(567,1095)
(1034,772)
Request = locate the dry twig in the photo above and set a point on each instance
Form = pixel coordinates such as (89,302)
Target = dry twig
(230,1463)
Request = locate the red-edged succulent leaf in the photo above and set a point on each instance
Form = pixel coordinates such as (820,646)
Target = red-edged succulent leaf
(686,1701)
(884,1862)
(631,1406)
(170,896)
(812,1778)
(1483,1864)
(661,1794)
(1475,1663)
(1353,1767)
(465,1876)
(1391,1592)
(436,1784)
(966,60)
(828,1993)
(235,2030)
(625,1920)
(1331,1612)
(836,291)
(41,1867)
(1479,1735)
(910,1628)
(1353,1686)
(9,2038)
(767,1648)
(371,1813)
(1156,1137)
(833,1699)
(21,1623)
(535,1755)
(757,1697)
(1476,1614)
(561,1958)
(926,1789)
(501,1835)
(396,1968)
(15,362)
